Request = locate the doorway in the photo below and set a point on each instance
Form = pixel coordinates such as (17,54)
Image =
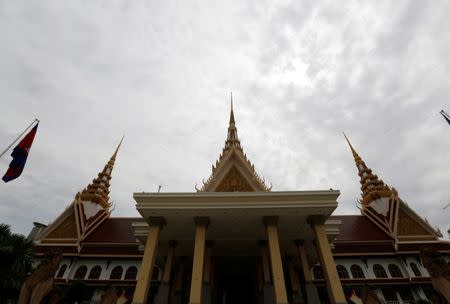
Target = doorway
(236,278)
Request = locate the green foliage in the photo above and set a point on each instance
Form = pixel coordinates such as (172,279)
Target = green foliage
(16,254)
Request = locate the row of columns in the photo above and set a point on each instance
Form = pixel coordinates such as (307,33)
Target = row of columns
(271,260)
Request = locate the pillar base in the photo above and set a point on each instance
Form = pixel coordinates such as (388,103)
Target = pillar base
(163,294)
(297,298)
(206,294)
(176,298)
(268,294)
(312,296)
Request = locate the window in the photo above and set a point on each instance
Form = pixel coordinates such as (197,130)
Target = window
(379,271)
(116,273)
(389,295)
(357,272)
(95,273)
(61,271)
(342,272)
(318,273)
(415,269)
(131,273)
(80,273)
(395,271)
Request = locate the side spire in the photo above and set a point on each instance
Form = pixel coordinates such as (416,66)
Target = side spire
(372,188)
(98,190)
(358,161)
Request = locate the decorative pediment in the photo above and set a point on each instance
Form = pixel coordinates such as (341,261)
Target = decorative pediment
(65,229)
(410,226)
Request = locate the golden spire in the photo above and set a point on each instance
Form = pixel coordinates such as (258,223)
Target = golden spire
(233,147)
(372,187)
(98,190)
(232,137)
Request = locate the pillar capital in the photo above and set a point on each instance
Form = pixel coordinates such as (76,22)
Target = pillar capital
(270,220)
(201,220)
(316,219)
(157,221)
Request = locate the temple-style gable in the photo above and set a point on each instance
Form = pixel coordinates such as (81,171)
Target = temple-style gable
(89,209)
(233,171)
(64,228)
(382,205)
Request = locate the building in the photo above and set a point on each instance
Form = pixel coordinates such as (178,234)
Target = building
(235,240)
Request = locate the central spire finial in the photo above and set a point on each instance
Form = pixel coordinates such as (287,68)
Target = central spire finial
(232,113)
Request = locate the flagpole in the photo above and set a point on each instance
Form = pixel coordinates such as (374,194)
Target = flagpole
(21,134)
(444,113)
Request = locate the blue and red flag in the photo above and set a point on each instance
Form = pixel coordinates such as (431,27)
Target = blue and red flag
(20,154)
(446,116)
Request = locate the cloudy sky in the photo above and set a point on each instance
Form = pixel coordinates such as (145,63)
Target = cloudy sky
(161,72)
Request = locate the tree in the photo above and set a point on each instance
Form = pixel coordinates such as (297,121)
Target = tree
(16,254)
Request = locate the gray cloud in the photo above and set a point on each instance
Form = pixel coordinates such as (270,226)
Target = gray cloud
(161,73)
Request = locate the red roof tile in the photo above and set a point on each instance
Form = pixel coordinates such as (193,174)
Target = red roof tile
(114,230)
(359,228)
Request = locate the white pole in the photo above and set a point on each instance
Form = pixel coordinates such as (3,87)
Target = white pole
(9,147)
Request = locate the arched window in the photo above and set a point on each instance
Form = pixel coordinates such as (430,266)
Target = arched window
(318,273)
(357,272)
(95,273)
(61,271)
(395,271)
(80,273)
(342,272)
(116,273)
(131,273)
(379,271)
(155,274)
(415,269)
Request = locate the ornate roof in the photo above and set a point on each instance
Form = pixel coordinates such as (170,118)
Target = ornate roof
(89,209)
(233,171)
(98,190)
(384,207)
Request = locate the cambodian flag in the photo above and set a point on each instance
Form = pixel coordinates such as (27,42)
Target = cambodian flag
(20,154)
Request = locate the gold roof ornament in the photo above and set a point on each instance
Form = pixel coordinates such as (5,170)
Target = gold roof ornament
(98,190)
(233,171)
(232,137)
(372,188)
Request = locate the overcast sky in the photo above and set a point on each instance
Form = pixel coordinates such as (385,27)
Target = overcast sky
(161,72)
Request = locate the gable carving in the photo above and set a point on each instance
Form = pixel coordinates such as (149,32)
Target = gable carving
(66,229)
(234,181)
(409,226)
